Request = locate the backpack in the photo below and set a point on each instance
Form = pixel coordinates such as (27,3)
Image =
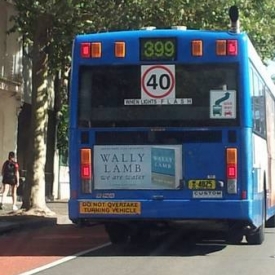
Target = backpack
(9,173)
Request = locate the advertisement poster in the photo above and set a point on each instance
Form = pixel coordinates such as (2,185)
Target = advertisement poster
(137,167)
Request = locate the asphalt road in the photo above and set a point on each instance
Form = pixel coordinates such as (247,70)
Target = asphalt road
(67,249)
(177,254)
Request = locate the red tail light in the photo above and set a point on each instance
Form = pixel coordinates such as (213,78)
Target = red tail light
(86,169)
(85,50)
(86,163)
(232,47)
(231,170)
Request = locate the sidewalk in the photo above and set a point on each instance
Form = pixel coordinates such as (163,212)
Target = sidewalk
(10,221)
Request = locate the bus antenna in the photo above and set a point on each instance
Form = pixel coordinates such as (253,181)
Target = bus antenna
(234,19)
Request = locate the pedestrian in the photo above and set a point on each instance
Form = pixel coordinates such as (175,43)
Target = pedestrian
(10,174)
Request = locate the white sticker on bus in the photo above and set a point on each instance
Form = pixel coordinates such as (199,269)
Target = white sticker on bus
(157,81)
(163,101)
(222,104)
(207,194)
(158,84)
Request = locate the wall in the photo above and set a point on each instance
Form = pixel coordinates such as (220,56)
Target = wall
(10,81)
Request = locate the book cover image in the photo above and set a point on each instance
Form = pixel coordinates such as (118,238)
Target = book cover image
(166,166)
(137,167)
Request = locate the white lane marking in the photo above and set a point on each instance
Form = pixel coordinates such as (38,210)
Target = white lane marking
(63,260)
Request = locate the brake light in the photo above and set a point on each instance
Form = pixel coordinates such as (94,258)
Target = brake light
(231,170)
(85,50)
(86,170)
(232,47)
(226,47)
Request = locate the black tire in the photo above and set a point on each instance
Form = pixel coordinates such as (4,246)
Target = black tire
(257,236)
(235,232)
(235,236)
(270,223)
(118,233)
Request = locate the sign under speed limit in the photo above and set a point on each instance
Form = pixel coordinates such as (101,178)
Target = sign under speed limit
(157,81)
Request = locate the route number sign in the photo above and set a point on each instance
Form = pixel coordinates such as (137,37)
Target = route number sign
(158,49)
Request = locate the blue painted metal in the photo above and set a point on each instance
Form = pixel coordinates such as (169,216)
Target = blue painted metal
(200,160)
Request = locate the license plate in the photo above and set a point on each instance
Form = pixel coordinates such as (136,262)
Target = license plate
(201,184)
(110,207)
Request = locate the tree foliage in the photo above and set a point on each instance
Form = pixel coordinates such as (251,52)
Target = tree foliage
(62,142)
(48,28)
(208,14)
(69,17)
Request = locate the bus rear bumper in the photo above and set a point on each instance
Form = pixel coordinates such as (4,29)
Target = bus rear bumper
(163,210)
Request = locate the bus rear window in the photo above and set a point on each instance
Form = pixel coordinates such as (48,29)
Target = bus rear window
(104,91)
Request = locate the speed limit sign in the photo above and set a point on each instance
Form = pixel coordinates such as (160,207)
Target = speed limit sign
(157,81)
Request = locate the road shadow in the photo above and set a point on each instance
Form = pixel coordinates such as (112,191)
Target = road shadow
(45,237)
(50,239)
(176,244)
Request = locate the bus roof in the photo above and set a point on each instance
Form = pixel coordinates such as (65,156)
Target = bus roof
(156,33)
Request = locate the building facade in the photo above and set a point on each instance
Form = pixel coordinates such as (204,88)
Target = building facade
(11,89)
(15,108)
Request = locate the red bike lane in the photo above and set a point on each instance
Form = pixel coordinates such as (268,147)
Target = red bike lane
(25,250)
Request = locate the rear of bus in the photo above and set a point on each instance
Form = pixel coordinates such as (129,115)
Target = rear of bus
(161,130)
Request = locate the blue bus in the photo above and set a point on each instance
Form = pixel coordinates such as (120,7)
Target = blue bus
(169,125)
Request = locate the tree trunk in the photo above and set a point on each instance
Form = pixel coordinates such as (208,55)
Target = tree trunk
(34,198)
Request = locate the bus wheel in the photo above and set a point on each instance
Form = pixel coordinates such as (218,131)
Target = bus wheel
(255,236)
(270,223)
(118,233)
(235,236)
(235,232)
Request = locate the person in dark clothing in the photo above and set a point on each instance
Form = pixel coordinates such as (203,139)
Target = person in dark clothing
(10,175)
